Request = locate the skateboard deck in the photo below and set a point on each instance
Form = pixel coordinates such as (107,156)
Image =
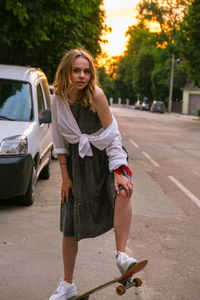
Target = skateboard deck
(124,280)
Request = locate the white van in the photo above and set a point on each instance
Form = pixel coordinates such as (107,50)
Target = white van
(25,131)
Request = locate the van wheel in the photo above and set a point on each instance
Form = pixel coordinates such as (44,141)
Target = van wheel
(45,173)
(28,198)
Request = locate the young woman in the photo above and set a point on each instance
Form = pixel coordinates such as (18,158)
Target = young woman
(96,181)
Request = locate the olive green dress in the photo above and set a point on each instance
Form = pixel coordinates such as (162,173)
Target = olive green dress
(90,210)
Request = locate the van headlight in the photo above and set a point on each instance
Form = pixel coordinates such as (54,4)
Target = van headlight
(17,144)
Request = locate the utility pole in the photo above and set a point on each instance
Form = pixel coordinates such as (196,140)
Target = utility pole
(171,84)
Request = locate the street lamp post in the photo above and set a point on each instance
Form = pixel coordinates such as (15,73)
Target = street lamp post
(171,84)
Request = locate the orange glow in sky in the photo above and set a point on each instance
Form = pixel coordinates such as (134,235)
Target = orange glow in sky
(120,14)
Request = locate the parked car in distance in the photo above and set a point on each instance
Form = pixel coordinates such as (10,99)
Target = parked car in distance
(144,106)
(25,131)
(158,106)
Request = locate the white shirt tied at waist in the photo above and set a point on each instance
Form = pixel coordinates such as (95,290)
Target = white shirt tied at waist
(109,139)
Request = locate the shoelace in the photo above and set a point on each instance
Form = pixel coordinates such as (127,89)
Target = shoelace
(121,255)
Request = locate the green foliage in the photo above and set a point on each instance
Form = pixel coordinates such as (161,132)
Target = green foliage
(190,40)
(168,14)
(161,76)
(123,80)
(117,81)
(143,68)
(106,82)
(37,33)
(150,52)
(140,57)
(139,36)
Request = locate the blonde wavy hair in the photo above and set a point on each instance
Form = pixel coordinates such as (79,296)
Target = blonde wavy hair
(63,84)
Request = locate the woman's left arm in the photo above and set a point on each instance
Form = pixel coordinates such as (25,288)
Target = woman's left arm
(105,116)
(102,108)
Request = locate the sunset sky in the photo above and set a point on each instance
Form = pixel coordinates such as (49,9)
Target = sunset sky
(119,15)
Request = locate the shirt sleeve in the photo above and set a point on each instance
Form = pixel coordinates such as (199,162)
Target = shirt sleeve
(115,152)
(59,144)
(116,155)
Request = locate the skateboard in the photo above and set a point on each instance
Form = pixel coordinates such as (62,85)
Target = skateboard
(125,281)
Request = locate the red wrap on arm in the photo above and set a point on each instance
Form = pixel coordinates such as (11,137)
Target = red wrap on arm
(121,168)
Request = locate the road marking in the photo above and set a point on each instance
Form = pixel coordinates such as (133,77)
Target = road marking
(185,190)
(134,143)
(151,160)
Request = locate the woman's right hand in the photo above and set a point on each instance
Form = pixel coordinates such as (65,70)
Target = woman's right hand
(65,188)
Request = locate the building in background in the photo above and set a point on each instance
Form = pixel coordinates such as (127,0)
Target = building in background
(191,99)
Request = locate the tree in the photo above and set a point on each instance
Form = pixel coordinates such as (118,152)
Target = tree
(105,81)
(161,76)
(168,15)
(123,80)
(189,38)
(143,68)
(37,33)
(115,78)
(140,59)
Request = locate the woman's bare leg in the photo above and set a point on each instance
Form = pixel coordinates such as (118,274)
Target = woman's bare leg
(122,220)
(69,250)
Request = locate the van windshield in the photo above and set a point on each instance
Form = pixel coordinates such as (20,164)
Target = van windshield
(15,100)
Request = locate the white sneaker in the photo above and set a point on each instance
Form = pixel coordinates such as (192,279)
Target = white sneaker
(124,262)
(64,291)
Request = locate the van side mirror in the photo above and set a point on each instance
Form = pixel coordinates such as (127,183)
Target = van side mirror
(46,118)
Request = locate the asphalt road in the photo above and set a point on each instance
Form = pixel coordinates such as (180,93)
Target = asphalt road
(164,153)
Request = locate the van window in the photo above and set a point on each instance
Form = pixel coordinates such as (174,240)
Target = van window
(15,100)
(46,92)
(40,101)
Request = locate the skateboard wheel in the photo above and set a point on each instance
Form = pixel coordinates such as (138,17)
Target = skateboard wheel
(137,282)
(120,290)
